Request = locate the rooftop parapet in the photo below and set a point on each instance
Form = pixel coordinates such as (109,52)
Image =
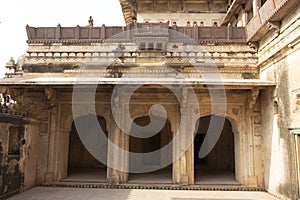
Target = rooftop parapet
(73,35)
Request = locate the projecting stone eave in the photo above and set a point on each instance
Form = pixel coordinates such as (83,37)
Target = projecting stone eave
(195,82)
(128,10)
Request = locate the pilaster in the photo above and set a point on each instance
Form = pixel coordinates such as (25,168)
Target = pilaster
(183,167)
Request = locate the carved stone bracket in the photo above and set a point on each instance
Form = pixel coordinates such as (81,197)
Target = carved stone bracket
(274,26)
(253,45)
(51,95)
(253,97)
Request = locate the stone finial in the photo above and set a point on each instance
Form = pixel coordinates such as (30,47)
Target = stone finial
(91,21)
(11,67)
(11,62)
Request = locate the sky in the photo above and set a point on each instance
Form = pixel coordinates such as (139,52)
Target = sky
(16,14)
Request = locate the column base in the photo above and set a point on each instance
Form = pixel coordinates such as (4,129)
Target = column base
(113,180)
(184,180)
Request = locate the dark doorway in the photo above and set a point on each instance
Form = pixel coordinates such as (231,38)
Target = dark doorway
(82,166)
(146,145)
(218,167)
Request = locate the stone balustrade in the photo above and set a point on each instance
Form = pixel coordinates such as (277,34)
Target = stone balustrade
(102,34)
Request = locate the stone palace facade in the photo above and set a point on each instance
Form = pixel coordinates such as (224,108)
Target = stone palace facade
(234,61)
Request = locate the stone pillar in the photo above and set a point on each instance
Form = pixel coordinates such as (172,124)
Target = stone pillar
(252,179)
(113,175)
(176,147)
(51,174)
(183,168)
(258,142)
(118,159)
(124,157)
(252,144)
(123,142)
(64,154)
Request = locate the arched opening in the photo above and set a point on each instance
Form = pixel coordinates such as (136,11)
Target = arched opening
(82,166)
(218,167)
(146,145)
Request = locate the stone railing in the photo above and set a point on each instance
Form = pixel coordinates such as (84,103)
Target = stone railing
(271,11)
(79,34)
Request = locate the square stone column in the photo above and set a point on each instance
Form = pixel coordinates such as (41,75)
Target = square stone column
(118,148)
(183,167)
(113,157)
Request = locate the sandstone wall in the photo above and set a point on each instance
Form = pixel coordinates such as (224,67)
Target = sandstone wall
(279,62)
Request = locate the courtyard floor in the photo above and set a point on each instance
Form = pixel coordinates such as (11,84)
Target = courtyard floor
(49,193)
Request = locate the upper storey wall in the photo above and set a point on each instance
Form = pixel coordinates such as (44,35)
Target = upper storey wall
(62,50)
(202,12)
(177,6)
(179,11)
(259,16)
(182,19)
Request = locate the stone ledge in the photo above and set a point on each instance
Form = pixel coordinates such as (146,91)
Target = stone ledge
(155,186)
